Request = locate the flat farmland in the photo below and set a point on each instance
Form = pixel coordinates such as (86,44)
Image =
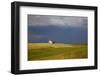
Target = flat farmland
(57,51)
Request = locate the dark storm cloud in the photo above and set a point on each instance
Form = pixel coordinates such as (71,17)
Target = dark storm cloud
(61,29)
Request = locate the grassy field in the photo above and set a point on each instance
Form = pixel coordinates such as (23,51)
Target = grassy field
(46,51)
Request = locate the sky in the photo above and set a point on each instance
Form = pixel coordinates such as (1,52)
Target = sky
(61,29)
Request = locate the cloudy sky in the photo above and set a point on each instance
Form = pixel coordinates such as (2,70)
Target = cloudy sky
(65,29)
(34,20)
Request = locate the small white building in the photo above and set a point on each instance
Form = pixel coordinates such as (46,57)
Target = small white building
(51,42)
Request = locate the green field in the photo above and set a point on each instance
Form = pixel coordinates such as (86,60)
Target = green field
(57,51)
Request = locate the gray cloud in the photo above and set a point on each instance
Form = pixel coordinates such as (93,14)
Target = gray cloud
(44,20)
